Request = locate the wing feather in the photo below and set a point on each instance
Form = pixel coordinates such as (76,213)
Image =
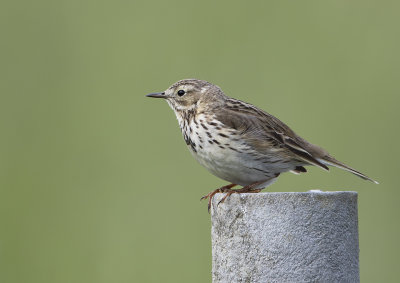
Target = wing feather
(263,131)
(266,132)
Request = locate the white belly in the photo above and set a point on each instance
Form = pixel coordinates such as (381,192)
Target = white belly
(226,158)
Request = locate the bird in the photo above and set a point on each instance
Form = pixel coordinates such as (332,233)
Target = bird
(238,142)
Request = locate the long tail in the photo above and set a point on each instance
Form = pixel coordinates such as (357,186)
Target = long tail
(329,160)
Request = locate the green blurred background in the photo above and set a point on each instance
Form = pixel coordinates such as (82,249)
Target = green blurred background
(96,183)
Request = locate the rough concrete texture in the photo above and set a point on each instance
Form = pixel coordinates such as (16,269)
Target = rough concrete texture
(285,237)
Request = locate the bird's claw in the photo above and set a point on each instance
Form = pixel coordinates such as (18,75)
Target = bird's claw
(210,195)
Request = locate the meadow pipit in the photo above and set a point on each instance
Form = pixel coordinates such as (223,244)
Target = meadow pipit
(238,142)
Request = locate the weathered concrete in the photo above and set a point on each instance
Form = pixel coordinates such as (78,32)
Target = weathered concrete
(285,237)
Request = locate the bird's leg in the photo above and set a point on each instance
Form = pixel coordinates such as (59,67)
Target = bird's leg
(245,189)
(210,195)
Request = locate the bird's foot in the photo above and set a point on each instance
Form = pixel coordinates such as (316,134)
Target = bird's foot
(210,195)
(245,189)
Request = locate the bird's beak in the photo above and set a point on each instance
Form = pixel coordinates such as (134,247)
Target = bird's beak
(157,95)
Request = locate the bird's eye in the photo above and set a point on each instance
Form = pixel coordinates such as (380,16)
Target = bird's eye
(181,92)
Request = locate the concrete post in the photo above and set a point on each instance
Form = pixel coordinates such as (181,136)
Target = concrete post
(285,237)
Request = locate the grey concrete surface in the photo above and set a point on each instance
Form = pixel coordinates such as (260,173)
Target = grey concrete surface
(285,237)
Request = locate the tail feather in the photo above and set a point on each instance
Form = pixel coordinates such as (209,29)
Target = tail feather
(329,160)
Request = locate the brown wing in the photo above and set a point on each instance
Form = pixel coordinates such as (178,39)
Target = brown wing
(264,131)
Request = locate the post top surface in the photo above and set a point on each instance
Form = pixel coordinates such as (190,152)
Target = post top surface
(311,192)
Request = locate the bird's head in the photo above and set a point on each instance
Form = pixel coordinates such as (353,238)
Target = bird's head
(189,94)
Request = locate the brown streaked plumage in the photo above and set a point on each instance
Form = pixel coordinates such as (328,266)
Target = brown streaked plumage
(239,142)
